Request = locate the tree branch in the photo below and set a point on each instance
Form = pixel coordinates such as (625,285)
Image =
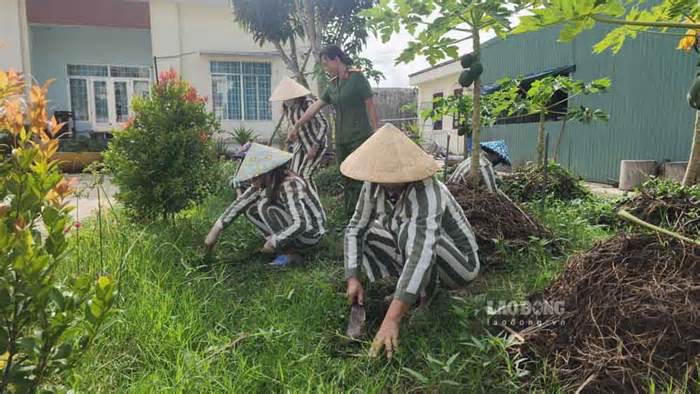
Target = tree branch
(612,21)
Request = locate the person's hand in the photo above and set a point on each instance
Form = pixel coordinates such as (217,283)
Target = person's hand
(355,292)
(268,248)
(387,338)
(313,152)
(293,134)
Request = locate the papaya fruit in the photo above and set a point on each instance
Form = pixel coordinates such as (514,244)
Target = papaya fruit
(467,60)
(477,69)
(694,94)
(465,79)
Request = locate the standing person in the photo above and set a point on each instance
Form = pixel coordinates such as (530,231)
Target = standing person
(355,112)
(493,153)
(312,138)
(406,225)
(279,203)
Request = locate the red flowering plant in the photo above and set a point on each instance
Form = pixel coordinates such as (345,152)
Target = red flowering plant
(164,159)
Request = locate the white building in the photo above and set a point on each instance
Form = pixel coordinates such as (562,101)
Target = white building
(200,40)
(102,53)
(440,80)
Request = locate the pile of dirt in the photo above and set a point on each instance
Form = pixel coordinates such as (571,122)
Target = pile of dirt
(667,204)
(631,314)
(527,183)
(495,217)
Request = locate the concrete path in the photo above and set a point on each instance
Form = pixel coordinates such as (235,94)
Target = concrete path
(85,199)
(605,190)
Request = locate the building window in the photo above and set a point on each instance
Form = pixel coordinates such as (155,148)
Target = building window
(241,90)
(437,124)
(457,118)
(79,99)
(102,94)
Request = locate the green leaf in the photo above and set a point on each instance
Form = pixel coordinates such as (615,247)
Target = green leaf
(417,375)
(611,8)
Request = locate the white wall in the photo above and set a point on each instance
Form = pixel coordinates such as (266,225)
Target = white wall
(206,32)
(14,36)
(442,82)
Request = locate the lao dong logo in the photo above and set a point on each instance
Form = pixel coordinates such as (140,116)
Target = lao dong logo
(524,313)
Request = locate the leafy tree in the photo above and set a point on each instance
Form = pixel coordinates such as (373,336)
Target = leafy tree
(435,39)
(540,100)
(289,24)
(631,17)
(511,100)
(46,323)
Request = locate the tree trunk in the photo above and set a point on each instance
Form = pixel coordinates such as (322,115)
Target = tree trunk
(560,139)
(540,141)
(476,118)
(692,173)
(292,65)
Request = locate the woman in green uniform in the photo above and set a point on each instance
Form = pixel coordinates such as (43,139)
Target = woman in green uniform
(355,113)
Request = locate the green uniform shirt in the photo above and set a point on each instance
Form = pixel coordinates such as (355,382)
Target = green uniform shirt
(348,98)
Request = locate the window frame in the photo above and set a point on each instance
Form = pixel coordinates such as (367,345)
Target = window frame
(263,108)
(110,80)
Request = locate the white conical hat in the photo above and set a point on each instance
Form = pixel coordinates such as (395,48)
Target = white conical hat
(260,159)
(389,156)
(289,89)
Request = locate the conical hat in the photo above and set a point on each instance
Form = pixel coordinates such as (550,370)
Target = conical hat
(289,89)
(260,159)
(389,156)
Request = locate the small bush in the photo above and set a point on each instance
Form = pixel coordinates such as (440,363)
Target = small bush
(82,144)
(329,181)
(527,184)
(243,135)
(46,322)
(164,159)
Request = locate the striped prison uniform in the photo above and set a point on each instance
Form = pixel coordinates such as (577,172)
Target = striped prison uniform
(296,219)
(313,132)
(424,237)
(488,175)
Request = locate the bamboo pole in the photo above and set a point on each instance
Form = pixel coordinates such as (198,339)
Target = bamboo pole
(631,218)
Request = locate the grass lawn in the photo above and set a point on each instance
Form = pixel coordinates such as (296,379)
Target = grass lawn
(240,326)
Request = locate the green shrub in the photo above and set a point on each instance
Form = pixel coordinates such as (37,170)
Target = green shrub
(45,324)
(243,135)
(164,159)
(329,181)
(82,144)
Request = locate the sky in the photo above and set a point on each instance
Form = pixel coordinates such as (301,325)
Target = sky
(383,55)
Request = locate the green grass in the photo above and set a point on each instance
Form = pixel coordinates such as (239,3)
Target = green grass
(240,326)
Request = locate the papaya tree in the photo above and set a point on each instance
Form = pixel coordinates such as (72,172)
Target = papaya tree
(548,98)
(438,39)
(631,17)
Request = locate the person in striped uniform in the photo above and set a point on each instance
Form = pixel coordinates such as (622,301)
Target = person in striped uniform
(311,139)
(280,204)
(492,154)
(407,225)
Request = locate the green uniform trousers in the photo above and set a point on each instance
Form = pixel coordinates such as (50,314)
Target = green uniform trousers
(351,187)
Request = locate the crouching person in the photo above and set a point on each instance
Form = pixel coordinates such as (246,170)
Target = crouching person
(407,225)
(279,204)
(492,154)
